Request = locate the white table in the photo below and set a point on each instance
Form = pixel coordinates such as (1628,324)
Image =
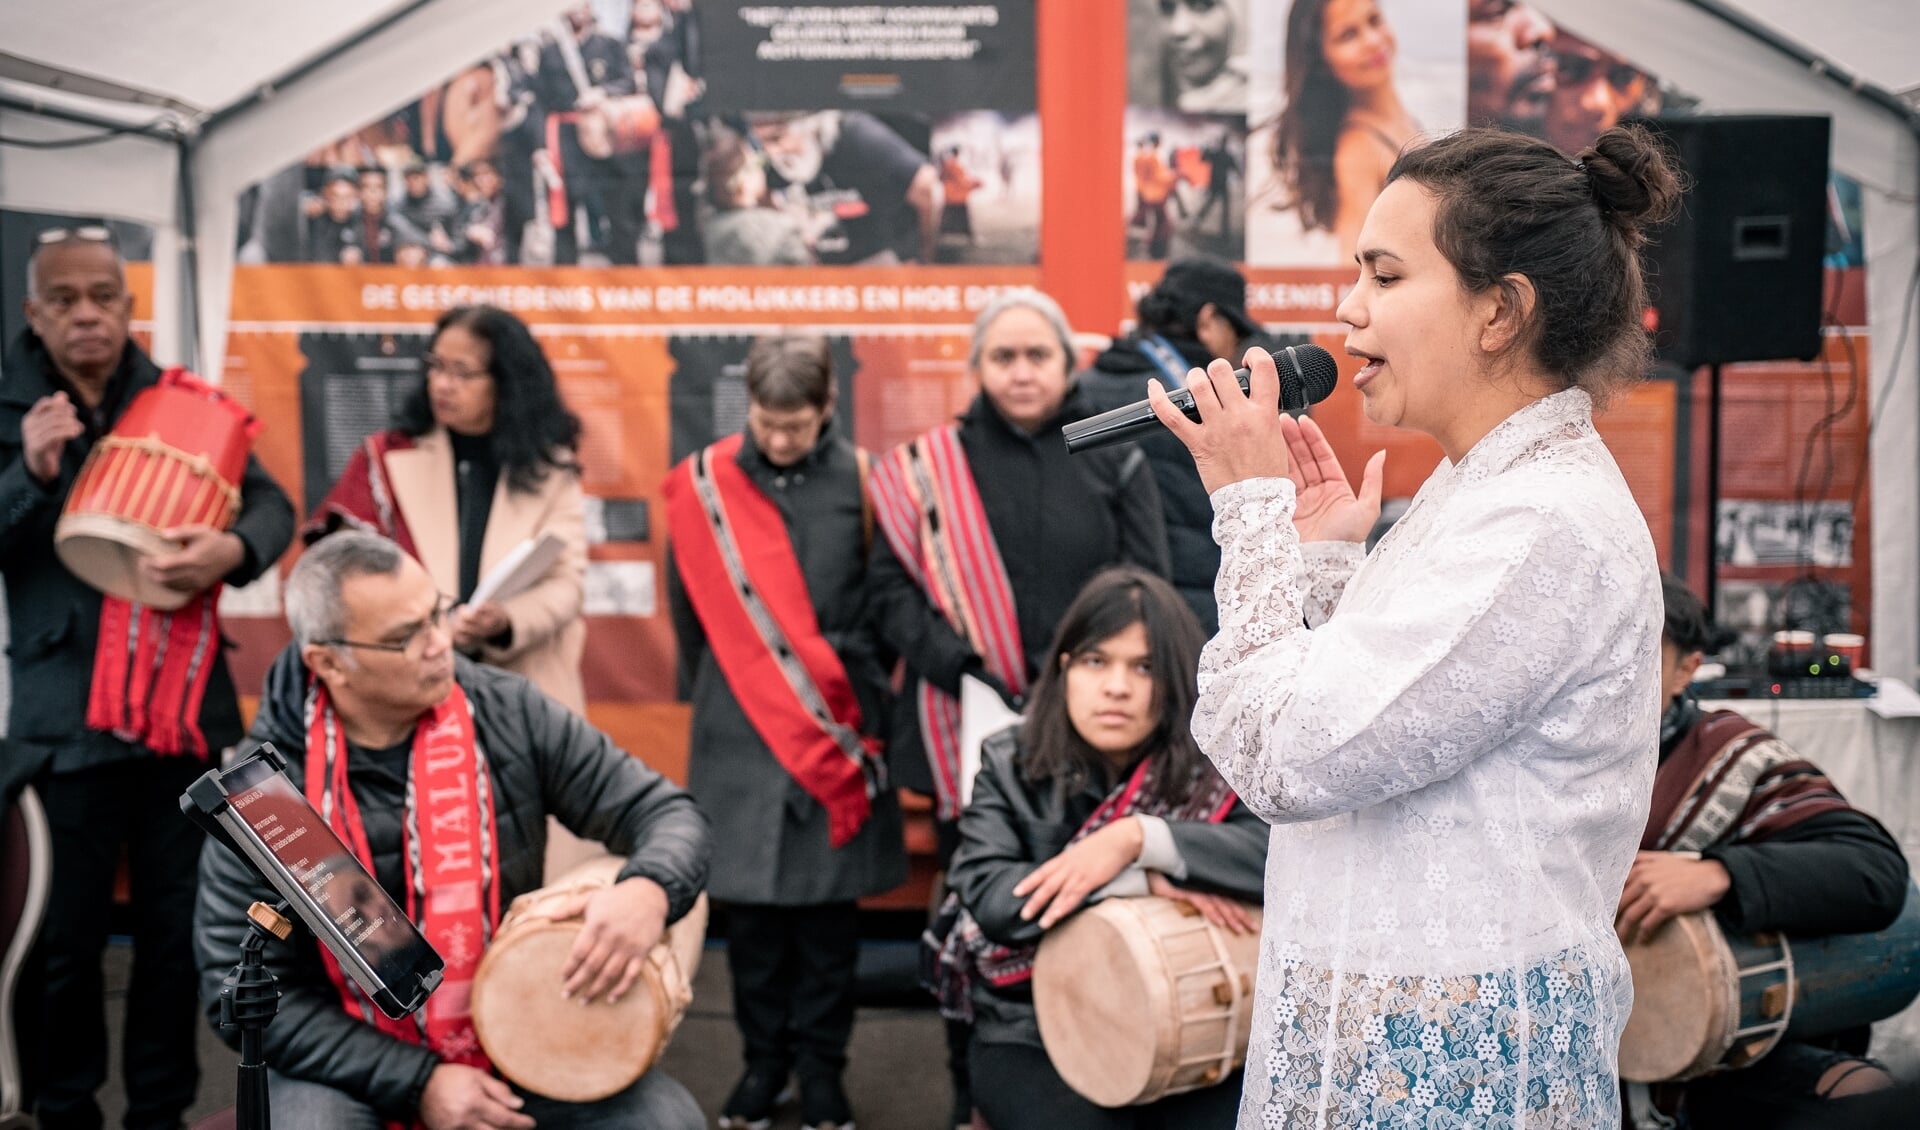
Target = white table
(1875,762)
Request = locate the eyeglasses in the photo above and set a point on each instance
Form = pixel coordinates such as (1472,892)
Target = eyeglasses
(435,363)
(89,233)
(415,640)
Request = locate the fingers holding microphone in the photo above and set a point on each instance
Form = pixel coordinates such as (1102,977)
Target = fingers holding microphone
(1239,434)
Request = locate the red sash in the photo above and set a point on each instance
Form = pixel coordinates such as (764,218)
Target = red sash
(930,511)
(451,850)
(737,563)
(363,497)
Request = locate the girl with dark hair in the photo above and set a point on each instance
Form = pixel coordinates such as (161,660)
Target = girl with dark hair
(481,460)
(1344,123)
(1454,735)
(1099,793)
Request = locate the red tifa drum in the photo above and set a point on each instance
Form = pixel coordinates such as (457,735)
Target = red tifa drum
(1141,998)
(175,458)
(556,1047)
(1705,1000)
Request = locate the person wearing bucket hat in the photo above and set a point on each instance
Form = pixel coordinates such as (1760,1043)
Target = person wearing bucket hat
(1197,312)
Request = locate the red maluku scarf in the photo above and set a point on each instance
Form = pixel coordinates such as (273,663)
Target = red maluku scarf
(737,563)
(450,850)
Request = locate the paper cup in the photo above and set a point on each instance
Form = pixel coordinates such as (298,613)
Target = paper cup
(1846,646)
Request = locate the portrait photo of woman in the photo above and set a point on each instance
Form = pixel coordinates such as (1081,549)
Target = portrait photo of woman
(1340,88)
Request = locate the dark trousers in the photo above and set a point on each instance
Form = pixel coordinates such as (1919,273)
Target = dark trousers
(946,841)
(91,814)
(793,972)
(1016,1088)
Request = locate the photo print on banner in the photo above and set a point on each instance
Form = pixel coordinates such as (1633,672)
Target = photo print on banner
(1336,89)
(1184,150)
(683,132)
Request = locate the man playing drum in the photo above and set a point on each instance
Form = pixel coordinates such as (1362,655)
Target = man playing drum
(1749,828)
(370,685)
(108,760)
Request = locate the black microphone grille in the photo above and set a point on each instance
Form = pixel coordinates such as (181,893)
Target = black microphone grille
(1318,372)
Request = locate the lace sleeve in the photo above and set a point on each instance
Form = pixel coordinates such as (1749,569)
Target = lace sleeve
(1329,565)
(1406,688)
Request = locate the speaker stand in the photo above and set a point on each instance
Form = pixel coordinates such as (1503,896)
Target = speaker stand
(1712,594)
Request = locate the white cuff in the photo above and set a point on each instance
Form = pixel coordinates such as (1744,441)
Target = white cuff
(1158,852)
(1131,883)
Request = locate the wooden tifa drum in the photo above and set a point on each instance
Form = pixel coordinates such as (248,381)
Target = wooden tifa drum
(1705,1000)
(1141,998)
(560,1048)
(175,458)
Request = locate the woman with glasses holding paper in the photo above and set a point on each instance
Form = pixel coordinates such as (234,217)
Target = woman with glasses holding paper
(478,481)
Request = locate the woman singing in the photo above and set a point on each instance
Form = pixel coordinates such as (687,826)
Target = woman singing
(1454,735)
(1099,793)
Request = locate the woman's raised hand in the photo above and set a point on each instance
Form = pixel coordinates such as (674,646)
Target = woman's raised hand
(1326,507)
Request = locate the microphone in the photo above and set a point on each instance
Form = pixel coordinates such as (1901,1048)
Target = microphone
(1307,376)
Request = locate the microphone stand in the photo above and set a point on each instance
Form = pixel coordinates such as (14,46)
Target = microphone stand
(249,998)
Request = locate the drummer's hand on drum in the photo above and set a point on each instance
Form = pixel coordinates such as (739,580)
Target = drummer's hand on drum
(1663,885)
(622,924)
(1062,883)
(44,430)
(458,1097)
(205,555)
(1217,909)
(477,624)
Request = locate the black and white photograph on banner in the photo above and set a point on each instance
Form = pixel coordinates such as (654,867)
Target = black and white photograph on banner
(1185,184)
(1337,88)
(630,132)
(1188,56)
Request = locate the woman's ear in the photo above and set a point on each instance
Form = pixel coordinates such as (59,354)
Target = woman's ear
(1064,660)
(1508,311)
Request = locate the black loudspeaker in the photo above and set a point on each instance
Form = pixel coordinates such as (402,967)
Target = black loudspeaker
(1737,275)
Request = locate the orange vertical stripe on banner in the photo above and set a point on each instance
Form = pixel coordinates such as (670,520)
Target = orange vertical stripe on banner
(1082,65)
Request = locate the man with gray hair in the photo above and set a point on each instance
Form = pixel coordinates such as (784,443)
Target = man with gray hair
(367,703)
(109,727)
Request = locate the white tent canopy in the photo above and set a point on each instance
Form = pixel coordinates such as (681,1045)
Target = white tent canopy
(233,91)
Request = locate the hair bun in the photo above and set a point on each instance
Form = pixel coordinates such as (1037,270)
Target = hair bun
(1634,177)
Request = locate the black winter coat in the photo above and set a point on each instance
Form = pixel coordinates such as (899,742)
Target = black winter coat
(544,760)
(1013,825)
(770,835)
(1057,519)
(54,616)
(1119,376)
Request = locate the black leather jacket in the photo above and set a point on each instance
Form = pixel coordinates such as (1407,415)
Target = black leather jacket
(1012,825)
(544,760)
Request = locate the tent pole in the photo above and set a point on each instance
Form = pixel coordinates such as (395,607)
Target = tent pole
(1818,64)
(189,267)
(333,51)
(164,128)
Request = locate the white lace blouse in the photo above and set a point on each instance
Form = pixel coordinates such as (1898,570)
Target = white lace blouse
(1457,758)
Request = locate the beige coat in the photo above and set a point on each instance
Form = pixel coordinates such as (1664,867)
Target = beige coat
(548,633)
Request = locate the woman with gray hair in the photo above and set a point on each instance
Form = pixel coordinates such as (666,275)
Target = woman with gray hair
(989,529)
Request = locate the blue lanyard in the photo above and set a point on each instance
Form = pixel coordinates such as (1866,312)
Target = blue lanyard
(1161,352)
